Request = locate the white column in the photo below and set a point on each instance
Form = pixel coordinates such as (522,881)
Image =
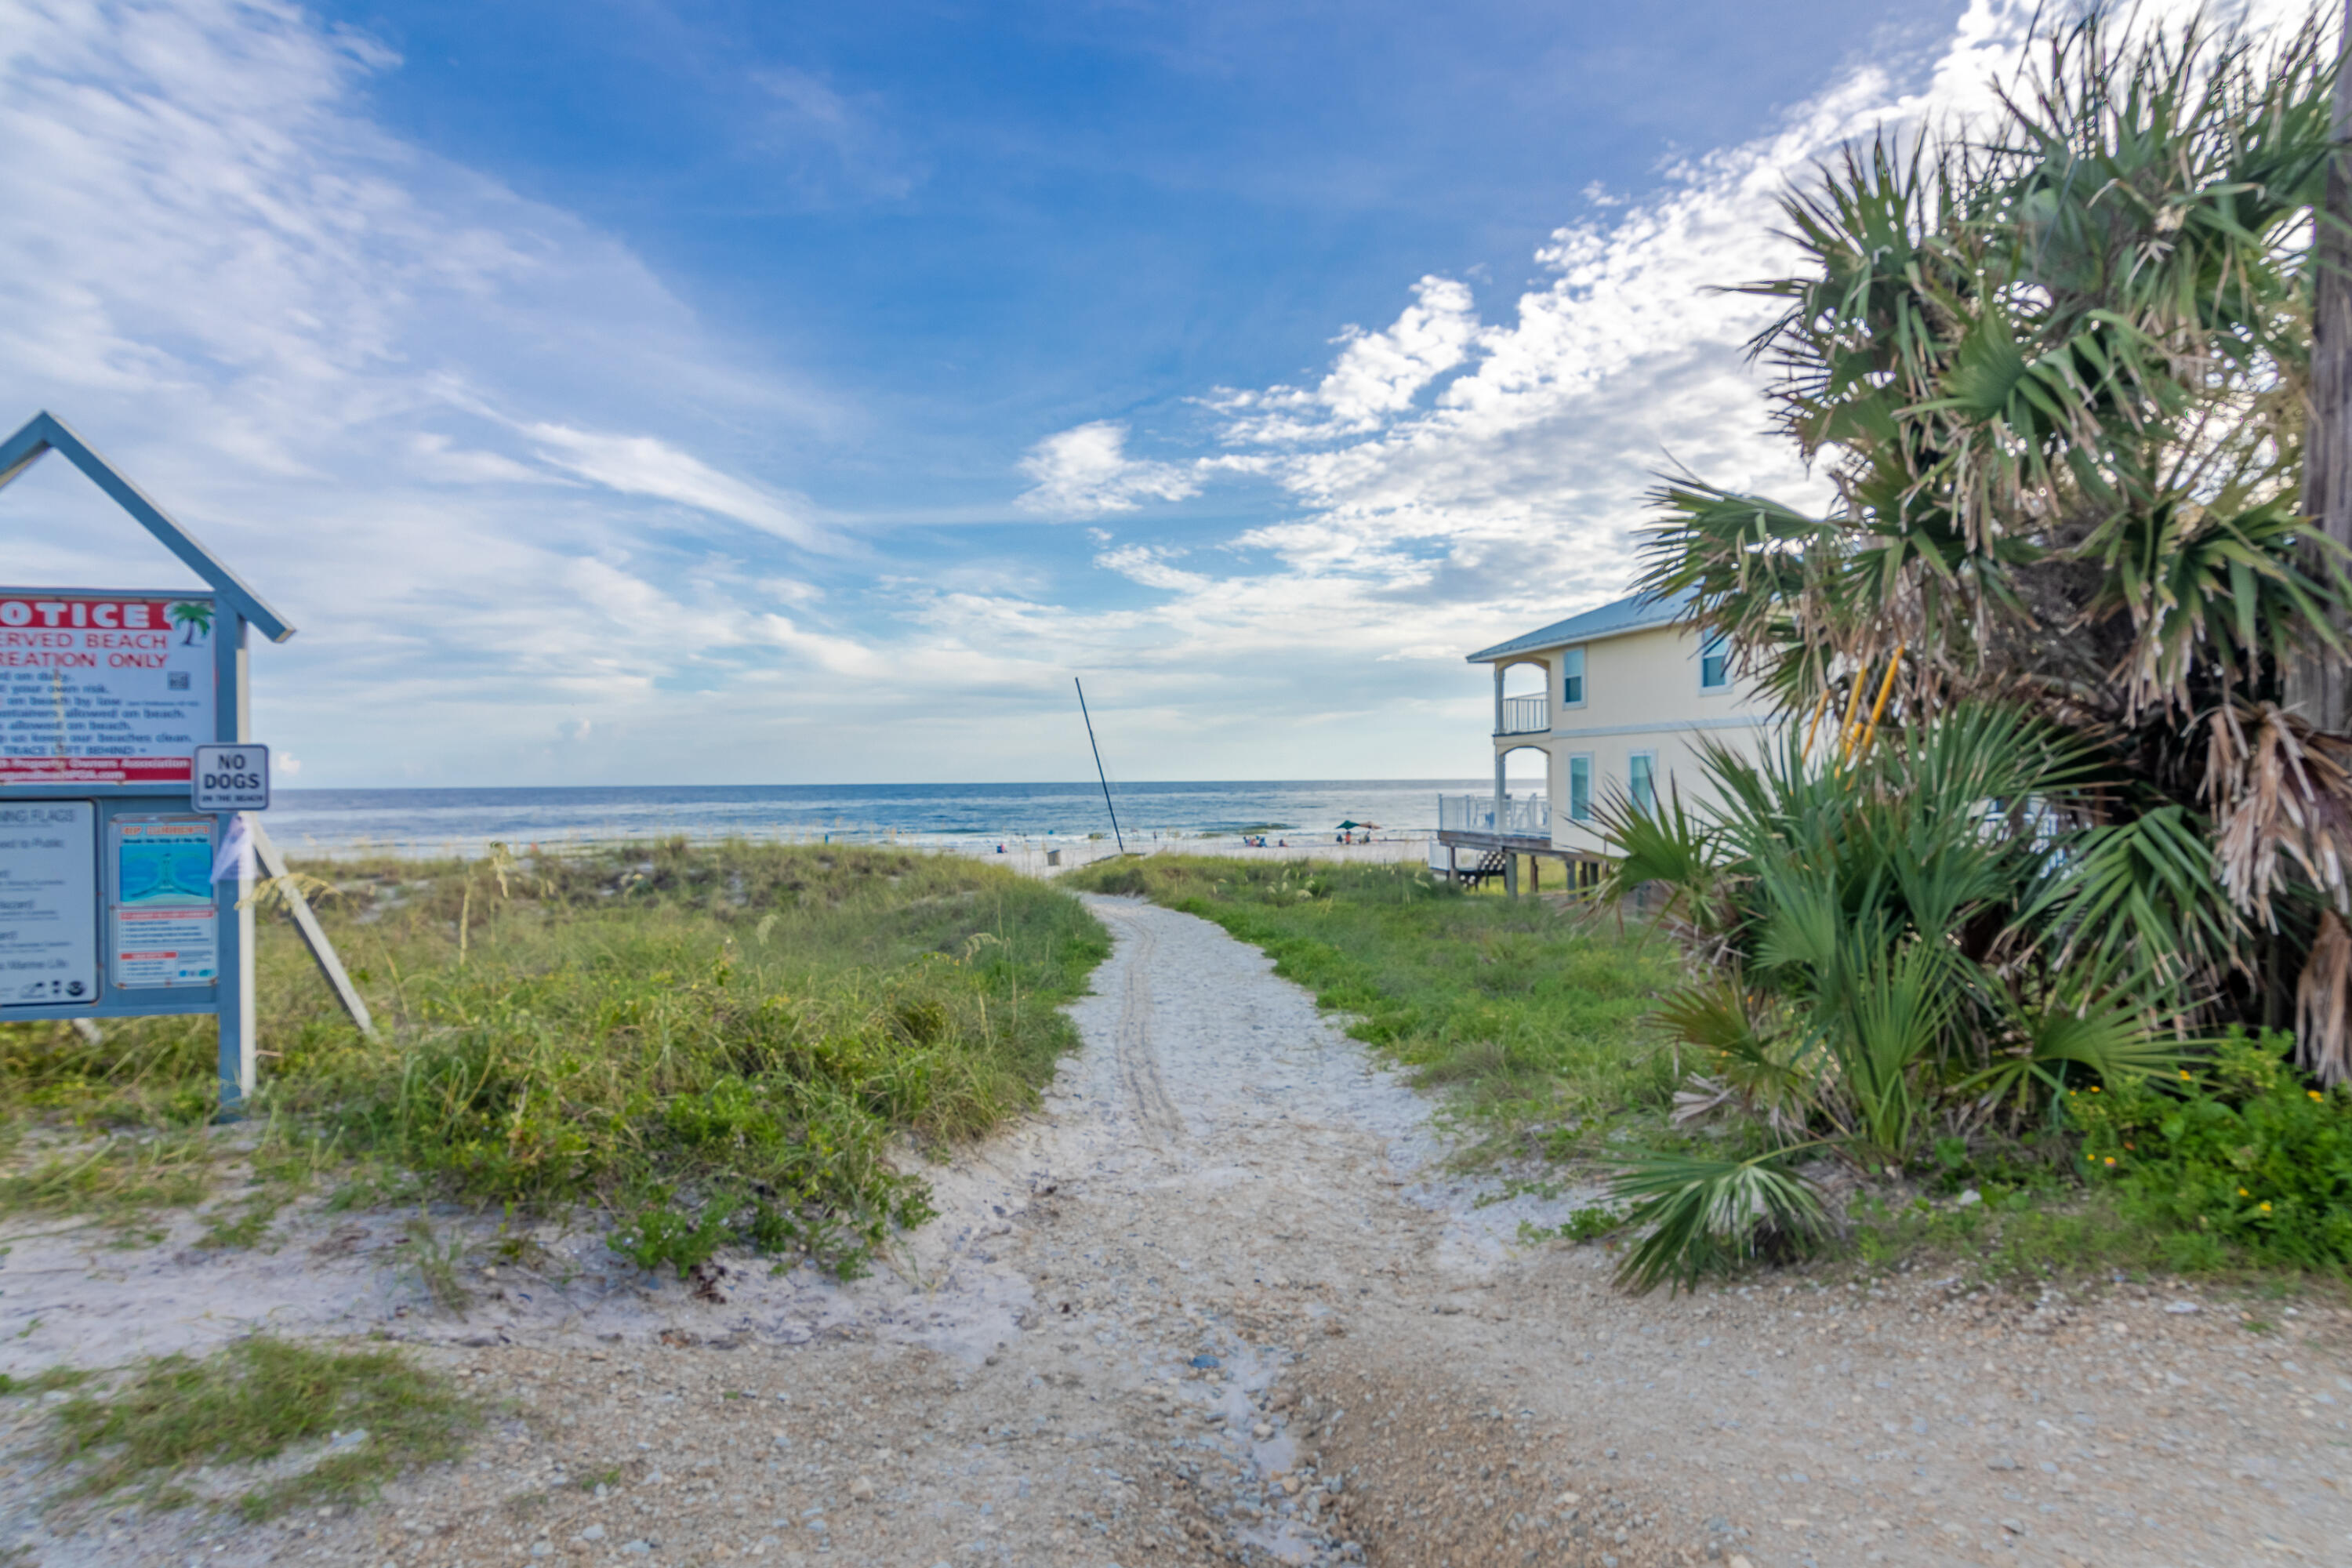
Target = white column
(1499,699)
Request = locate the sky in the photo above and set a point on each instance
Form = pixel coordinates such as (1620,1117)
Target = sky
(613,391)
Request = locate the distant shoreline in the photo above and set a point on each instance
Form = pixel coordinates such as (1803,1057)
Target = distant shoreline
(972,819)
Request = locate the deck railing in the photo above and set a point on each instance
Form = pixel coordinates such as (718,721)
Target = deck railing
(1526,816)
(1526,715)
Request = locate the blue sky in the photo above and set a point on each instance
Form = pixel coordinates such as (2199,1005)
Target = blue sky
(739,393)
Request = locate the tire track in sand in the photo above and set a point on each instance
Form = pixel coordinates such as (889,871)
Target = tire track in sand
(1138,1060)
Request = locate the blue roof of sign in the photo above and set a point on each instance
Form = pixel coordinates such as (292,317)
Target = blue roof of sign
(44,432)
(1638,613)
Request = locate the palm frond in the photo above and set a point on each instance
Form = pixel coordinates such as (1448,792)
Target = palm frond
(1701,1214)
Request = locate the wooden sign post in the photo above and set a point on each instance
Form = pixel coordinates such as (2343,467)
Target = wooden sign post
(115,900)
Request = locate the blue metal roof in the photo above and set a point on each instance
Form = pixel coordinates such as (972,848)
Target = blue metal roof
(1638,613)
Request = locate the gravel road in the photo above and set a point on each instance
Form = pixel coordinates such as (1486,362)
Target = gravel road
(1218,1303)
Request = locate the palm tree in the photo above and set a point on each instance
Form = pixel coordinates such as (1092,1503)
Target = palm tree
(195,616)
(2056,371)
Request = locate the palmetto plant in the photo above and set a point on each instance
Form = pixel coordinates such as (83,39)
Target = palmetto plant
(1905,939)
(2038,810)
(2055,369)
(1918,939)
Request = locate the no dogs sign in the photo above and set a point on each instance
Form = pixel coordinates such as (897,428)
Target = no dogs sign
(230,778)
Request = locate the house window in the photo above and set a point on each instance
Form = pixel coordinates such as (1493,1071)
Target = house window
(1642,780)
(1579,787)
(1571,678)
(1715,663)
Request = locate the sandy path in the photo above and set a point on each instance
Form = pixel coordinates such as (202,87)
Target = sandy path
(1207,1307)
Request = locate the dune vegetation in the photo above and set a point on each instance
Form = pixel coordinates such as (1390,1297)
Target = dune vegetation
(734,1042)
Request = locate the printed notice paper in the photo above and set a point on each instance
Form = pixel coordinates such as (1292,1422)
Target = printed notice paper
(48,903)
(165,924)
(103,688)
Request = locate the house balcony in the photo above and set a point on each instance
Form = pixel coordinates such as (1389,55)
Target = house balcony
(1472,817)
(1526,715)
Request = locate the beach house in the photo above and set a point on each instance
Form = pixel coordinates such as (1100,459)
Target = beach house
(1618,701)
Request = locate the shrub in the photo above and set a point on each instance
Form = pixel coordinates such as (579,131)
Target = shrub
(2243,1163)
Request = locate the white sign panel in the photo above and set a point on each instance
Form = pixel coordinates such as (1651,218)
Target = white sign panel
(163,928)
(103,688)
(231,778)
(48,903)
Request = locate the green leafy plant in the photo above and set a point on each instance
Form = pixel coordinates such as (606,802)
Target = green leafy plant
(1590,1222)
(2242,1161)
(658,1234)
(1701,1214)
(2055,364)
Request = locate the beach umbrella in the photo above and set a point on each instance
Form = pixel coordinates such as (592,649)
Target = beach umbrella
(1345,826)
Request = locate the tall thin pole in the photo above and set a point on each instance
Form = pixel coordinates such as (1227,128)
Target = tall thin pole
(2317,681)
(1098,767)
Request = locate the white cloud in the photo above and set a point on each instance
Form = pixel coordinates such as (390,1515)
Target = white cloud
(1453,480)
(1086,472)
(1150,565)
(1376,375)
(424,416)
(648,466)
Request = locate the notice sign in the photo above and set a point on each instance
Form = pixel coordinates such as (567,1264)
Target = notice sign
(103,688)
(163,926)
(48,903)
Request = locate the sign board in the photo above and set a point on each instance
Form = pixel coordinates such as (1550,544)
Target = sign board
(104,688)
(105,695)
(230,778)
(48,903)
(162,921)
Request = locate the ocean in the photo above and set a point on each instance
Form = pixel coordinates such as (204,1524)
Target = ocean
(464,821)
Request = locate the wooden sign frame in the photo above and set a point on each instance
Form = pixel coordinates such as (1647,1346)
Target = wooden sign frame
(238,611)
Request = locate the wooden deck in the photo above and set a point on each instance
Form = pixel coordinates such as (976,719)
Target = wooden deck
(1467,849)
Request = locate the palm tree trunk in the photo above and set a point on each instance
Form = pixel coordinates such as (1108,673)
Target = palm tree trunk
(2319,684)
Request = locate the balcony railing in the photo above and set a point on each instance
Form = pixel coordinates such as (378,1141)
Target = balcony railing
(1522,818)
(1526,715)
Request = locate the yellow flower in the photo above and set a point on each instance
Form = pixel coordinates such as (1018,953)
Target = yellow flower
(2243,1193)
(2184,1072)
(2111,1159)
(2095,1088)
(2314,1094)
(2266,1208)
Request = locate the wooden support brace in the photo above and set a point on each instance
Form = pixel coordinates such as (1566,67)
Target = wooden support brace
(314,936)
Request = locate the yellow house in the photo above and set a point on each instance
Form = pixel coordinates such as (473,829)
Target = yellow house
(1617,699)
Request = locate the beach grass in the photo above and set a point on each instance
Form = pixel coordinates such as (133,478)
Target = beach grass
(352,1418)
(733,1041)
(1526,1009)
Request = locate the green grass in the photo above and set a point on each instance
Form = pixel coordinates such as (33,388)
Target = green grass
(118,1179)
(730,1038)
(248,1405)
(1530,1013)
(46,1380)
